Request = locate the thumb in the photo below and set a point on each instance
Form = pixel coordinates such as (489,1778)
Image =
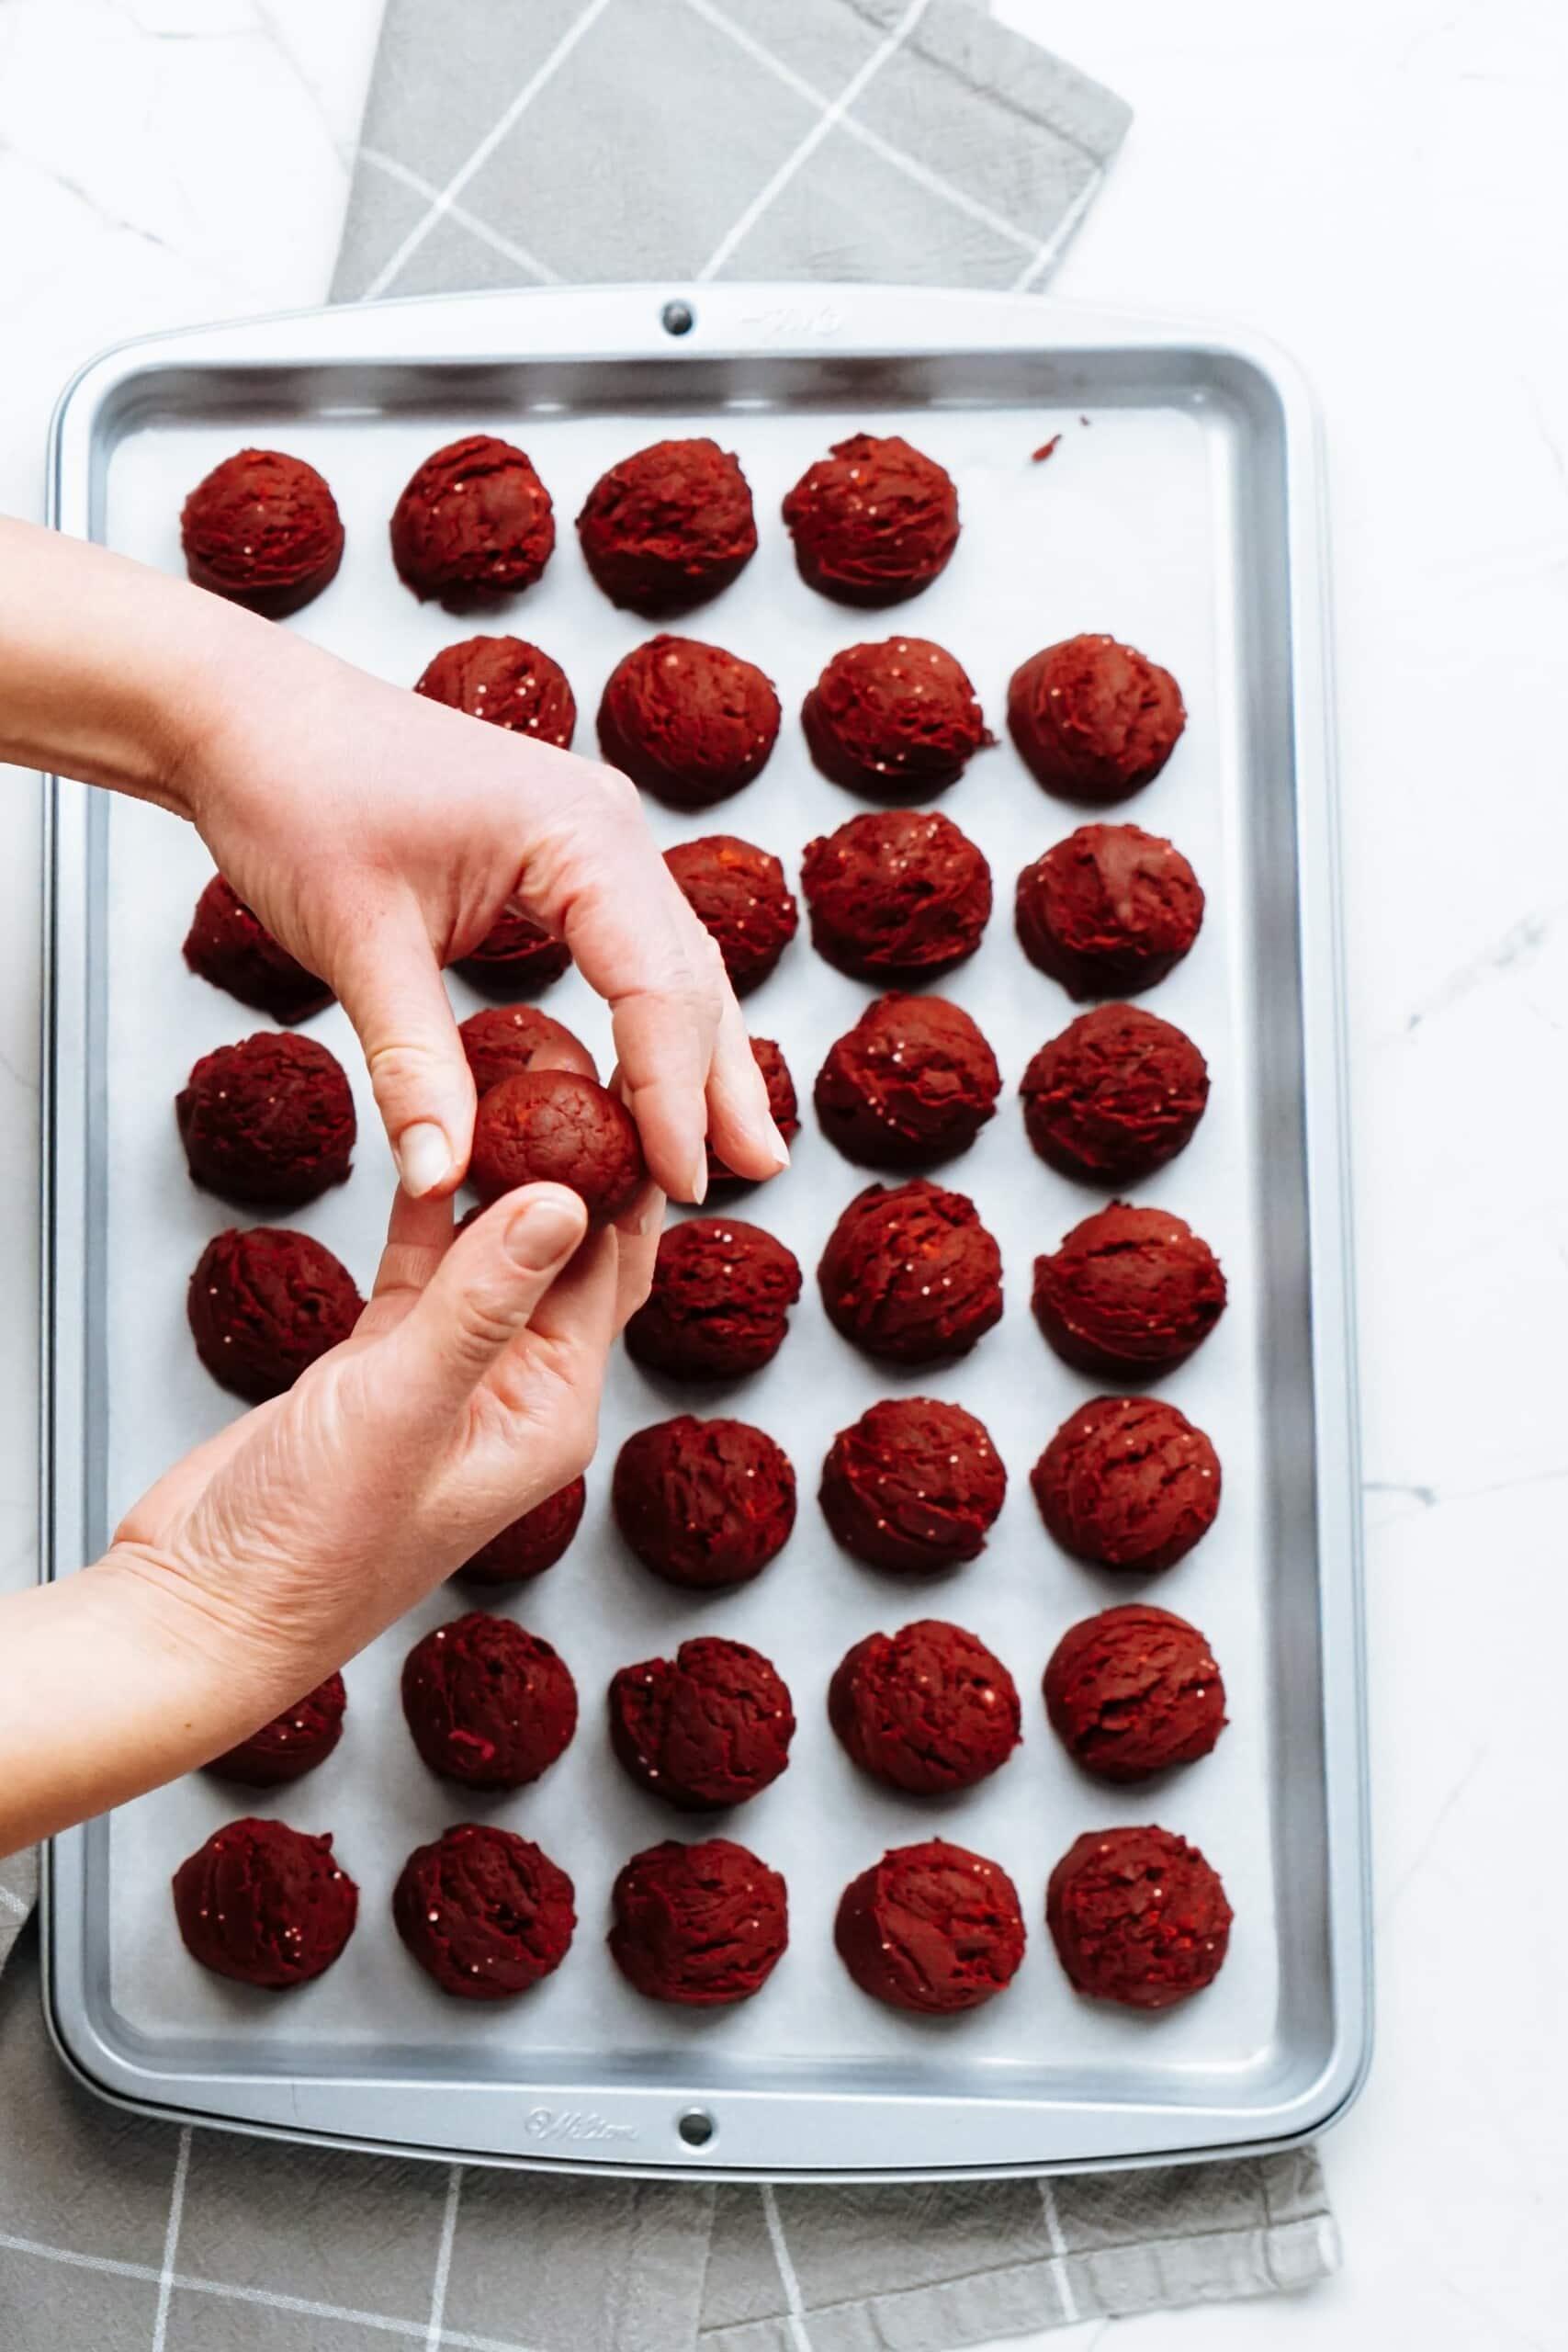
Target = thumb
(481,1298)
(389,984)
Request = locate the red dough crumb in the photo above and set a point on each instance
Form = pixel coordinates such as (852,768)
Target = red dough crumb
(701,1925)
(233,949)
(668,527)
(506,681)
(1128,1482)
(1130,1291)
(269,1121)
(1108,911)
(262,530)
(265,1302)
(704,1503)
(1118,1094)
(506,1039)
(474,519)
(515,956)
(928,1710)
(554,1126)
(914,1485)
(894,719)
(264,1904)
(707,1728)
(687,721)
(897,894)
(532,1543)
(1046,448)
(1094,719)
(783,1103)
(293,1744)
(874,523)
(930,1927)
(1132,1691)
(910,1274)
(912,1083)
(488,1704)
(739,893)
(720,1301)
(1137,1917)
(485,1912)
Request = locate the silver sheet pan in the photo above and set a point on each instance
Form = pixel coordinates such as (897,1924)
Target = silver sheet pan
(1182,512)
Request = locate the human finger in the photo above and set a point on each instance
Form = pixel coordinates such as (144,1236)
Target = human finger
(389,983)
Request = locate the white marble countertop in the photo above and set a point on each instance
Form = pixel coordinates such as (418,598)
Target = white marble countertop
(1382,188)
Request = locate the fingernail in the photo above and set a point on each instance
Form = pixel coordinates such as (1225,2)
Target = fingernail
(775,1143)
(543,1232)
(698,1187)
(425,1158)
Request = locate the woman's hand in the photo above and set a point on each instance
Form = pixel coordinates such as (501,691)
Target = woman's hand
(379,836)
(469,1393)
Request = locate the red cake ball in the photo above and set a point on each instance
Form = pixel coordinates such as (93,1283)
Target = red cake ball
(707,1728)
(1128,1482)
(554,1126)
(532,1543)
(1108,911)
(874,522)
(701,1925)
(930,1927)
(668,527)
(703,1504)
(263,530)
(515,957)
(914,1486)
(897,894)
(293,1744)
(506,1039)
(229,946)
(474,520)
(1094,719)
(720,1301)
(264,1904)
(782,1105)
(687,721)
(507,681)
(1115,1096)
(1130,1291)
(739,893)
(1137,1917)
(269,1121)
(1132,1691)
(485,1912)
(488,1706)
(912,1083)
(928,1710)
(910,1274)
(263,1304)
(894,719)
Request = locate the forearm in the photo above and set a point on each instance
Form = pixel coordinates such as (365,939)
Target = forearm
(109,671)
(112,1688)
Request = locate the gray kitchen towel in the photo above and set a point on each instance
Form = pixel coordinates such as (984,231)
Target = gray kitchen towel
(533,142)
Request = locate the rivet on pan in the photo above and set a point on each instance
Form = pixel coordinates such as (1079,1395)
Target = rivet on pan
(695,2128)
(677,318)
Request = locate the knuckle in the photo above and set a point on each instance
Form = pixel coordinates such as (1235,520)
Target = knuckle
(397,1063)
(617,791)
(484,1326)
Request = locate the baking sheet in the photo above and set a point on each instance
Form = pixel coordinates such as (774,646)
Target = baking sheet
(1133,528)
